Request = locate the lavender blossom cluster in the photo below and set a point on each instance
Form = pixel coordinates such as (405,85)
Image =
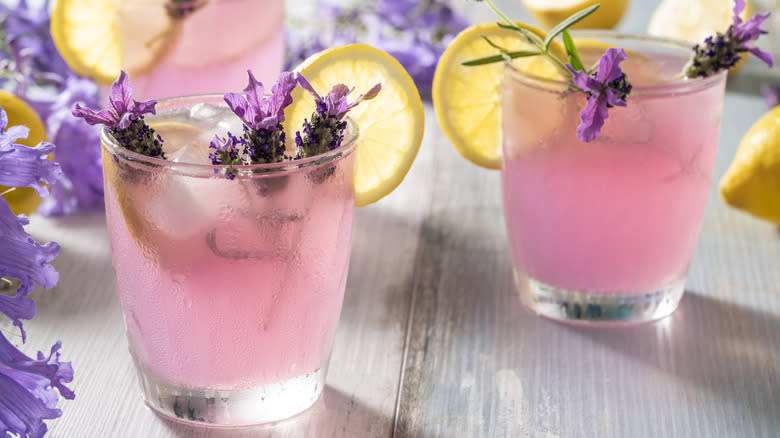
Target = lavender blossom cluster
(29,388)
(415,32)
(32,68)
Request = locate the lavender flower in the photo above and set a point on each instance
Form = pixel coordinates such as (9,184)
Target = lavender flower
(722,51)
(771,95)
(28,387)
(78,151)
(227,151)
(263,116)
(32,68)
(607,88)
(124,117)
(325,131)
(416,33)
(22,166)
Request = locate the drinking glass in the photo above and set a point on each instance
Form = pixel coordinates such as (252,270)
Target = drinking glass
(230,289)
(604,232)
(211,48)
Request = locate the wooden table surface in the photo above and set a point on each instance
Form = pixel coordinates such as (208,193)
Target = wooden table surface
(433,342)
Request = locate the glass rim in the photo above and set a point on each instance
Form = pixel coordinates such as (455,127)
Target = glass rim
(676,87)
(110,144)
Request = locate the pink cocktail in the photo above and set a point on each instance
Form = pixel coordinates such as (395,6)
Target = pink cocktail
(605,231)
(231,289)
(211,48)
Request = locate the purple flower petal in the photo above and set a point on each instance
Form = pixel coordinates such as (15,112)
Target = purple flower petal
(304,83)
(21,412)
(609,68)
(764,56)
(236,103)
(121,97)
(56,372)
(27,389)
(102,117)
(22,166)
(583,80)
(254,91)
(258,111)
(78,151)
(140,108)
(280,95)
(592,118)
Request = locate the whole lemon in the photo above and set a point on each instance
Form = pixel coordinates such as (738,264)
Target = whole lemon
(22,200)
(752,182)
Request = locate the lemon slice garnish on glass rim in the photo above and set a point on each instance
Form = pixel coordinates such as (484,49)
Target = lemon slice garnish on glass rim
(551,12)
(390,125)
(99,38)
(22,200)
(467,100)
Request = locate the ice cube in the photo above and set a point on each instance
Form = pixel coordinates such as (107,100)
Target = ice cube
(197,153)
(204,111)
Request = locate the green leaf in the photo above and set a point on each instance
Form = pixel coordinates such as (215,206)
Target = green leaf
(530,37)
(571,50)
(567,23)
(502,57)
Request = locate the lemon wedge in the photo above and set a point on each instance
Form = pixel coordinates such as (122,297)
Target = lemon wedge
(390,125)
(752,182)
(467,99)
(22,200)
(551,12)
(99,38)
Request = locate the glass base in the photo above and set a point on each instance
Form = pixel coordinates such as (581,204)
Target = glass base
(236,408)
(598,309)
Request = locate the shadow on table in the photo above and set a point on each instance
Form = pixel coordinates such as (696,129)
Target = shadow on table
(334,414)
(729,350)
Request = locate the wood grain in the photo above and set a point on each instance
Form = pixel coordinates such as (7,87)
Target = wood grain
(433,341)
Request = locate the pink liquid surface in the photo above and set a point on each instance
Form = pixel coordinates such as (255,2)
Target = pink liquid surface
(619,215)
(215,47)
(223,288)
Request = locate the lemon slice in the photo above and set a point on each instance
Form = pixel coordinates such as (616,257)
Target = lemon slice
(467,99)
(752,182)
(99,38)
(551,12)
(390,125)
(672,18)
(22,200)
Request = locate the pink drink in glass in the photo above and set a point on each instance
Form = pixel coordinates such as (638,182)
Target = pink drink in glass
(231,289)
(605,231)
(213,47)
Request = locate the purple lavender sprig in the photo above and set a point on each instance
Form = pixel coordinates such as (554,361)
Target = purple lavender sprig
(124,117)
(263,116)
(228,151)
(325,131)
(609,86)
(723,50)
(29,388)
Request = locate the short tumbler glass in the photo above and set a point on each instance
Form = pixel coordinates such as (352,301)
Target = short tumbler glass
(604,232)
(230,289)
